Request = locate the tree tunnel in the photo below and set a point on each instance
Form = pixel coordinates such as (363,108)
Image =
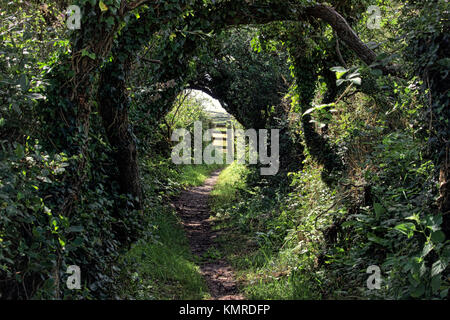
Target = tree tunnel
(101,95)
(174,35)
(218,76)
(87,168)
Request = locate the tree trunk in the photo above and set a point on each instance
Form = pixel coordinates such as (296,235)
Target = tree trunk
(113,107)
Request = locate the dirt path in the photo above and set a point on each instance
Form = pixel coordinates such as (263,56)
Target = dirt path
(193,208)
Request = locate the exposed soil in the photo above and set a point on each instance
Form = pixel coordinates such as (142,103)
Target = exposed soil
(193,208)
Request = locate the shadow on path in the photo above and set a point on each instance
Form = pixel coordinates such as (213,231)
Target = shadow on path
(192,207)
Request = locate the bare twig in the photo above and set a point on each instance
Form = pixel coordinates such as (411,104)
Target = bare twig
(338,51)
(152,60)
(344,93)
(135,4)
(179,106)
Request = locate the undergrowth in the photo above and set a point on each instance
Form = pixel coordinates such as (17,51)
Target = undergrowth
(310,243)
(261,241)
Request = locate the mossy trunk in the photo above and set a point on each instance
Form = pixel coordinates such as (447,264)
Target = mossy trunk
(113,107)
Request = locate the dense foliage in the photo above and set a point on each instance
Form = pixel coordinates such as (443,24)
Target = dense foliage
(86,117)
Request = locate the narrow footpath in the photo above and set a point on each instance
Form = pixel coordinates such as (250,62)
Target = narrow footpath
(193,208)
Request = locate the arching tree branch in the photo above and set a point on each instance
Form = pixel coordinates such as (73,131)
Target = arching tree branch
(343,31)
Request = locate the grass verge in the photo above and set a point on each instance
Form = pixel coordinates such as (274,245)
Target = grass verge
(161,267)
(266,266)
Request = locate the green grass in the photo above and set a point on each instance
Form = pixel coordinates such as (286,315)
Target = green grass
(264,271)
(162,267)
(195,175)
(226,189)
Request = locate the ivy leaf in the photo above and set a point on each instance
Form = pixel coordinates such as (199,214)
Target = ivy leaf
(340,71)
(379,209)
(434,221)
(20,152)
(437,268)
(103,6)
(438,236)
(406,228)
(356,81)
(435,283)
(417,292)
(426,249)
(110,21)
(24,83)
(318,108)
(85,53)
